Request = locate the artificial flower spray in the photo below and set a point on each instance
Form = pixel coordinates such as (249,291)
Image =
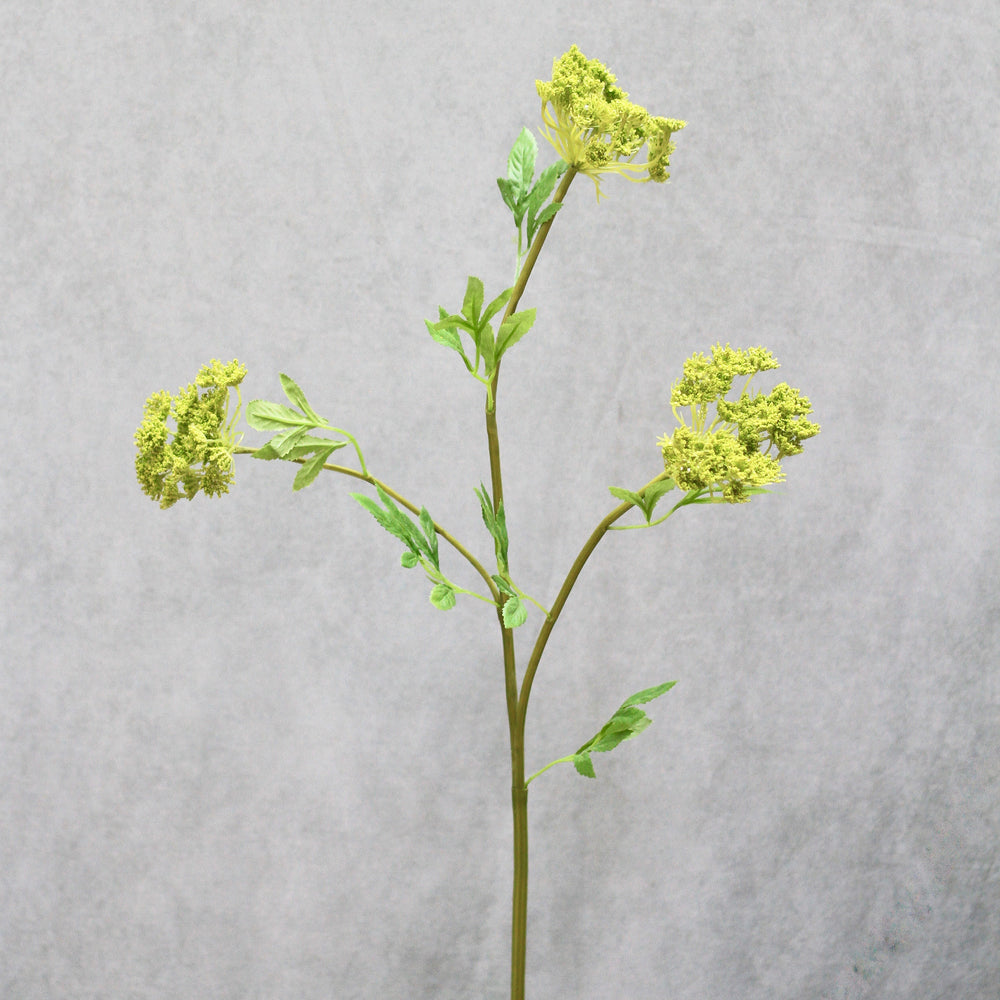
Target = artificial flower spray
(727,445)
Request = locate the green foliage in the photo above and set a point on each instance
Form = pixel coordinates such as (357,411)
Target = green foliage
(496,525)
(293,440)
(420,540)
(475,321)
(647,499)
(198,454)
(628,721)
(524,198)
(595,128)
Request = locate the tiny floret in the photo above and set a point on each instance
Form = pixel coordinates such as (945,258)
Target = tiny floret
(731,456)
(200,454)
(594,127)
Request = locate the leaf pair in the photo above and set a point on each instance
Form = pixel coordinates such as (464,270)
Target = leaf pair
(293,439)
(475,321)
(627,722)
(647,500)
(421,543)
(517,191)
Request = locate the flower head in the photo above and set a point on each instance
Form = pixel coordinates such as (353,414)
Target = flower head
(732,455)
(595,128)
(204,437)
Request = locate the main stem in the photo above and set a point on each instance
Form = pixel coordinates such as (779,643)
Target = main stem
(518,789)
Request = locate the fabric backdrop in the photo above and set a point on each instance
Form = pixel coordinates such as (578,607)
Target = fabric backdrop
(242,755)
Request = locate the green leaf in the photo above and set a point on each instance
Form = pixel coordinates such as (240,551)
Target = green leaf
(503,586)
(448,322)
(544,185)
(450,338)
(265,416)
(508,192)
(535,224)
(584,765)
(311,469)
(298,397)
(306,445)
(521,163)
(427,523)
(496,525)
(472,305)
(642,697)
(627,495)
(652,495)
(443,597)
(389,519)
(409,559)
(283,443)
(513,328)
(514,612)
(497,304)
(627,722)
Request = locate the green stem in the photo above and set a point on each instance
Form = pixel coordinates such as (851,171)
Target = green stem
(412,507)
(571,577)
(561,760)
(519,790)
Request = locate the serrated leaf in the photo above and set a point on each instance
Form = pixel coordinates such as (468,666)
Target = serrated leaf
(584,765)
(427,523)
(310,470)
(513,328)
(449,321)
(450,338)
(387,518)
(283,443)
(497,304)
(503,586)
(409,559)
(508,192)
(544,185)
(627,495)
(627,722)
(265,416)
(547,213)
(298,397)
(521,162)
(443,597)
(642,697)
(653,494)
(514,612)
(472,304)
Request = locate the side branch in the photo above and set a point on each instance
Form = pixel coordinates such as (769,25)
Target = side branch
(571,577)
(454,542)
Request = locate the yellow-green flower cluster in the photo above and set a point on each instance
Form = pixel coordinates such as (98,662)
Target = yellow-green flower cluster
(732,455)
(595,128)
(200,456)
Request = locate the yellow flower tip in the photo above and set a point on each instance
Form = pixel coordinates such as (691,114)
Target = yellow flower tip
(595,128)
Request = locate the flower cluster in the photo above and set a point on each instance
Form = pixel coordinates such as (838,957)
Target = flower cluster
(200,456)
(595,128)
(732,455)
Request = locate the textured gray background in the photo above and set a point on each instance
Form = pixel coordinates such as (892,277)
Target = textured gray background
(242,757)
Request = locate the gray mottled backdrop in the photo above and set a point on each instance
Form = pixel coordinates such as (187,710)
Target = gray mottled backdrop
(243,757)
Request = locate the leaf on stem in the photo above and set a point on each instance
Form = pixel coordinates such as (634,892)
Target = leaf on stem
(647,500)
(513,328)
(443,597)
(627,722)
(472,304)
(496,525)
(514,612)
